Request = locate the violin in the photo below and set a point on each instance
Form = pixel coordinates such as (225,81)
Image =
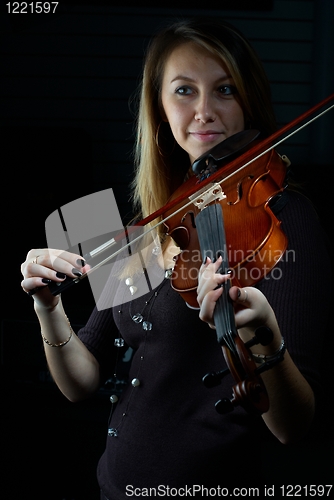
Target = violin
(233,220)
(224,209)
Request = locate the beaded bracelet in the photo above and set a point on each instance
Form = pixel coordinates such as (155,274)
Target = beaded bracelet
(60,343)
(276,356)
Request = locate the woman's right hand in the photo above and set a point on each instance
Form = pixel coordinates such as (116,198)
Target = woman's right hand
(45,265)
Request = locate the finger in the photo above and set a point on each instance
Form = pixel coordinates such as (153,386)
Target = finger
(241,296)
(34,284)
(204,266)
(211,264)
(208,305)
(61,260)
(210,283)
(48,262)
(209,269)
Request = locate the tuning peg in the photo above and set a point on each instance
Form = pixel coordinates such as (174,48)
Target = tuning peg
(263,335)
(213,378)
(224,406)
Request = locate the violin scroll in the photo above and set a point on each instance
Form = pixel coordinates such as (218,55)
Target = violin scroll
(249,391)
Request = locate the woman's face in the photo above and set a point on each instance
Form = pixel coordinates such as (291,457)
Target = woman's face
(199,100)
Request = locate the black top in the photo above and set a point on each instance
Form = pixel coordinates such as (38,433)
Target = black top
(168,430)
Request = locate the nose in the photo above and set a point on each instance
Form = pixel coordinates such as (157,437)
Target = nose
(205,109)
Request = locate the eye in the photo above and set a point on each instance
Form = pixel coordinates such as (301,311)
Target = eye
(183,90)
(227,89)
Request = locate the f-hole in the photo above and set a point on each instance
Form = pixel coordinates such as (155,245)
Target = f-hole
(239,191)
(191,214)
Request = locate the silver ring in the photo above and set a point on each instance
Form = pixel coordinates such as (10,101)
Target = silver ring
(35,260)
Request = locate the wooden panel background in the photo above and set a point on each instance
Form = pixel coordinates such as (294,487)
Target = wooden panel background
(75,70)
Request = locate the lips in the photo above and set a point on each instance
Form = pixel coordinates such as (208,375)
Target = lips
(207,136)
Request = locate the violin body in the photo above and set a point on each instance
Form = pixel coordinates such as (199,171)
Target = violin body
(254,239)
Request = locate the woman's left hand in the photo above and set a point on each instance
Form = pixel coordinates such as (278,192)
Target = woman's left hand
(251,307)
(291,397)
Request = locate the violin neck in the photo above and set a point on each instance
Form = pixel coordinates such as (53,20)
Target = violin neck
(211,236)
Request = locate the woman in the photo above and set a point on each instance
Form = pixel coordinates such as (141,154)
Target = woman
(202,83)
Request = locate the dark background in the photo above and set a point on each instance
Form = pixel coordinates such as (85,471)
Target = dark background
(66,128)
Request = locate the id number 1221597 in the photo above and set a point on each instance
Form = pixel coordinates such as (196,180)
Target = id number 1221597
(312,490)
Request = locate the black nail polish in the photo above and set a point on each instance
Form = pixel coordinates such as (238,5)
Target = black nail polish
(60,275)
(80,262)
(239,293)
(46,281)
(205,259)
(76,272)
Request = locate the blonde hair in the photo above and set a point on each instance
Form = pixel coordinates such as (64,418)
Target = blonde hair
(160,162)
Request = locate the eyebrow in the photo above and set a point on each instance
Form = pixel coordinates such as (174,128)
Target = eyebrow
(188,79)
